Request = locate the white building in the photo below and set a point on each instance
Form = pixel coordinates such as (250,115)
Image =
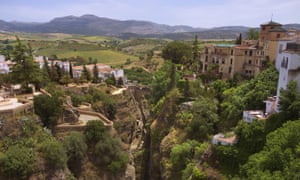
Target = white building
(4,68)
(249,116)
(289,67)
(104,71)
(225,141)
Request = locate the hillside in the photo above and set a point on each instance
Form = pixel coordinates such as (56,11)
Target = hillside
(93,25)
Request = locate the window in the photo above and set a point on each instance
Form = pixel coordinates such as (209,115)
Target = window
(205,67)
(250,53)
(231,52)
(231,61)
(206,58)
(280,48)
(278,35)
(223,61)
(230,69)
(250,61)
(246,52)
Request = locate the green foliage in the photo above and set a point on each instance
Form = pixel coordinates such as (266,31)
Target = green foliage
(85,74)
(54,154)
(161,82)
(252,34)
(25,70)
(279,157)
(239,39)
(177,52)
(48,108)
(75,146)
(249,95)
(205,118)
(76,149)
(109,153)
(17,162)
(109,104)
(169,106)
(111,80)
(95,131)
(249,134)
(183,119)
(289,102)
(138,74)
(192,172)
(228,157)
(183,156)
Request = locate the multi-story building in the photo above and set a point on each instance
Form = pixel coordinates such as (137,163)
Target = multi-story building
(289,67)
(230,59)
(270,34)
(247,58)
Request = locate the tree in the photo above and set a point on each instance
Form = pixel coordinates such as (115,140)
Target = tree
(95,74)
(71,69)
(76,148)
(109,154)
(177,52)
(25,70)
(85,74)
(289,101)
(65,79)
(239,39)
(279,157)
(205,118)
(195,48)
(252,34)
(95,131)
(54,153)
(17,162)
(48,108)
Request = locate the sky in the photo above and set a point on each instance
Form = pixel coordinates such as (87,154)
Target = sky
(196,13)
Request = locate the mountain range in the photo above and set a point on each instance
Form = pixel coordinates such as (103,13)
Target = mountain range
(93,25)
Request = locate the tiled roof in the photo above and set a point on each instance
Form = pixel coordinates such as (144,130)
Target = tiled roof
(271,23)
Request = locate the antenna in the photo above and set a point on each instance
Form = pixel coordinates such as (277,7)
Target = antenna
(272,17)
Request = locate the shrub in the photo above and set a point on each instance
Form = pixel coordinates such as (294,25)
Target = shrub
(17,162)
(54,154)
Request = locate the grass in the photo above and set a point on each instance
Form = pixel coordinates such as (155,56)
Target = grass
(103,56)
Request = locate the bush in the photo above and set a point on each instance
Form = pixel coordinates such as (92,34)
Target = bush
(54,154)
(95,131)
(110,154)
(17,162)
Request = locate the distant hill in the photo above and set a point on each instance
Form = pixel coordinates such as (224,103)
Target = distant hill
(93,25)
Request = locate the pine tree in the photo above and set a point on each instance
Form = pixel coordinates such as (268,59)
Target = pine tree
(95,74)
(25,70)
(239,39)
(71,70)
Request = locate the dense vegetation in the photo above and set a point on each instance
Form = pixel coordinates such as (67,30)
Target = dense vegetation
(183,116)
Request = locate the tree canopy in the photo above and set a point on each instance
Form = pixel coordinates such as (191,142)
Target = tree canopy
(178,52)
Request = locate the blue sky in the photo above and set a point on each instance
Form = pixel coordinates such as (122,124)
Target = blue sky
(196,13)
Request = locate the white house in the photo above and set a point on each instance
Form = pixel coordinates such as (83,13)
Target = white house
(289,67)
(4,68)
(225,141)
(104,71)
(249,116)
